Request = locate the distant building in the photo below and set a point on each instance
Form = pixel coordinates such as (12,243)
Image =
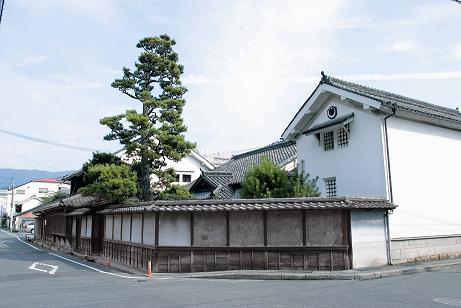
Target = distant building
(29,193)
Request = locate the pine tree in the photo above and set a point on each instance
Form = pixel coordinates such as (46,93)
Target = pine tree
(154,135)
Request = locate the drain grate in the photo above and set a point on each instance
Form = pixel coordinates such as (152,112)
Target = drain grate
(448,301)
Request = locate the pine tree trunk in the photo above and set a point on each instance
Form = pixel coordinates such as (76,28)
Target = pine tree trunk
(146,194)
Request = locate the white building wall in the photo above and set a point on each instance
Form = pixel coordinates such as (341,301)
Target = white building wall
(426,179)
(368,238)
(32,189)
(359,168)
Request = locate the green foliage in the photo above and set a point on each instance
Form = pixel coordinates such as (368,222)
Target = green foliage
(175,192)
(50,198)
(155,134)
(115,182)
(99,159)
(267,180)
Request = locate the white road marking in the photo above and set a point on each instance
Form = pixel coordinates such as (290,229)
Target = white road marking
(448,301)
(52,271)
(96,269)
(17,237)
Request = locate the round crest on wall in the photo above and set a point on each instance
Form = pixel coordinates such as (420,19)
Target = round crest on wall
(332,112)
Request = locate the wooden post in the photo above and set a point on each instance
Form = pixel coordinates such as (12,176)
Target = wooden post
(265,227)
(149,269)
(157,219)
(303,218)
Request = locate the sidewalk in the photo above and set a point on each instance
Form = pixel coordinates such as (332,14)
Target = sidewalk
(354,274)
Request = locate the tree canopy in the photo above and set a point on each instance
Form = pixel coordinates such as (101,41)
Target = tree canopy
(111,181)
(155,134)
(267,180)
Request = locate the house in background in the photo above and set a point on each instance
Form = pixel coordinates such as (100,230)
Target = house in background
(31,191)
(362,141)
(224,182)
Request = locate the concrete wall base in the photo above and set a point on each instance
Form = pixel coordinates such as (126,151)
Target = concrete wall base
(415,249)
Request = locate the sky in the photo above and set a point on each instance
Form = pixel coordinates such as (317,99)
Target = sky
(249,65)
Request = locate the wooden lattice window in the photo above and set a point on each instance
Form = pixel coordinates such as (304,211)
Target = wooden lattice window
(343,136)
(330,187)
(328,141)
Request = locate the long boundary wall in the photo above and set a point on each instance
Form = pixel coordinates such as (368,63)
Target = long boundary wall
(413,249)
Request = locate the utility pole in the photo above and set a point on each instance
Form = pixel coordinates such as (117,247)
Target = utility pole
(2,4)
(11,206)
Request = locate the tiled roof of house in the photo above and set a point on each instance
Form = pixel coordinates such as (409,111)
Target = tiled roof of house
(395,100)
(74,202)
(234,171)
(278,152)
(254,204)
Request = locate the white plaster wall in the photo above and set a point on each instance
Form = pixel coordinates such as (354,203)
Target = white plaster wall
(426,179)
(108,227)
(83,226)
(117,226)
(359,168)
(368,238)
(174,229)
(187,165)
(136,228)
(89,225)
(126,227)
(74,226)
(149,229)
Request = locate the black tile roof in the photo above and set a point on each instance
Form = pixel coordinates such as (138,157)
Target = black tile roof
(233,172)
(395,100)
(73,202)
(254,204)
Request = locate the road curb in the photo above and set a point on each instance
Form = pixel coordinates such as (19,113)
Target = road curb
(345,275)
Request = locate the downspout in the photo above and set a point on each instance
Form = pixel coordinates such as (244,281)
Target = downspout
(391,196)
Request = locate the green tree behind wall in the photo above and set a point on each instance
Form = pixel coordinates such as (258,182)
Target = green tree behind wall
(267,180)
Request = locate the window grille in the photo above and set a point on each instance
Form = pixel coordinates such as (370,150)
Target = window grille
(330,187)
(186,178)
(343,136)
(328,141)
(43,190)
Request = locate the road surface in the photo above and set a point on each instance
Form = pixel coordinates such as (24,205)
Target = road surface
(36,278)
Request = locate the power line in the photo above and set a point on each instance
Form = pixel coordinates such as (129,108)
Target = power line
(49,142)
(28,159)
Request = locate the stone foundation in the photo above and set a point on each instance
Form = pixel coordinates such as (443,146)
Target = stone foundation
(414,249)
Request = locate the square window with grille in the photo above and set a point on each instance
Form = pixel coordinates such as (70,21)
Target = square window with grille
(343,136)
(328,141)
(330,187)
(186,178)
(43,190)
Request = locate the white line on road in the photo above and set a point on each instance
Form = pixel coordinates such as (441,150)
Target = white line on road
(52,271)
(69,260)
(17,237)
(96,269)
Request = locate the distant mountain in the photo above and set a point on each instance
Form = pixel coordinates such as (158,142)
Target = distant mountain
(22,176)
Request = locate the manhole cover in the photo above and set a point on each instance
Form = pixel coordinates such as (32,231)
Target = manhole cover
(448,301)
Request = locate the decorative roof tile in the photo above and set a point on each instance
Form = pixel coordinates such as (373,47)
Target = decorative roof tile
(395,100)
(254,204)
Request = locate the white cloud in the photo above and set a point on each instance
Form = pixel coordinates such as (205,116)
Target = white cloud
(100,10)
(256,49)
(407,46)
(457,53)
(448,75)
(30,60)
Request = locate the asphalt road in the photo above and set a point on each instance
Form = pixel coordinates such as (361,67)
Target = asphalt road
(26,281)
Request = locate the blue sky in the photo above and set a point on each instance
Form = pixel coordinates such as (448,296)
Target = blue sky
(249,65)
